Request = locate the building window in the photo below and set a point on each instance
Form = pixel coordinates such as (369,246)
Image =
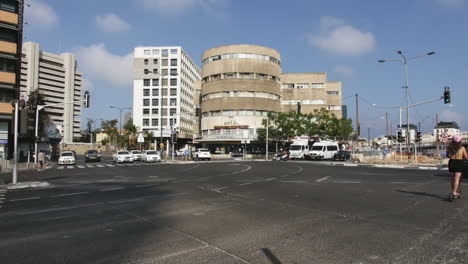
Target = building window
(147,52)
(261,76)
(155,111)
(216,77)
(288,86)
(7,65)
(173,62)
(146,82)
(172,111)
(173,82)
(230,75)
(146,102)
(172,122)
(146,71)
(317,85)
(154,122)
(246,75)
(155,92)
(145,111)
(164,62)
(155,61)
(302,85)
(173,72)
(334,107)
(229,112)
(165,52)
(333,92)
(155,102)
(155,52)
(173,51)
(173,92)
(9,35)
(9,6)
(173,101)
(155,82)
(146,61)
(146,92)
(145,122)
(155,71)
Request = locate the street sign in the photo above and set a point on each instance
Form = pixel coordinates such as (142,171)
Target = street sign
(140,139)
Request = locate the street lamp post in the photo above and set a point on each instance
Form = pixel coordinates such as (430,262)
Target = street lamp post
(120,110)
(405,61)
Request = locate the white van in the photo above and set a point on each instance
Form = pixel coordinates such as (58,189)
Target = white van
(323,150)
(299,149)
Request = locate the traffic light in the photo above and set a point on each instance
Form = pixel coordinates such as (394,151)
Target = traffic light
(400,136)
(446,95)
(174,137)
(198,112)
(86,99)
(298,108)
(418,136)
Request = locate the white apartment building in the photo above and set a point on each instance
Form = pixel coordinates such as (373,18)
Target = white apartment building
(163,91)
(55,76)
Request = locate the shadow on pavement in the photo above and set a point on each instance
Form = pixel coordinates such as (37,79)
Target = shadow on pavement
(273,259)
(441,197)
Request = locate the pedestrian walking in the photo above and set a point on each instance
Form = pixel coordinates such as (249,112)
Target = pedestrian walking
(41,159)
(457,153)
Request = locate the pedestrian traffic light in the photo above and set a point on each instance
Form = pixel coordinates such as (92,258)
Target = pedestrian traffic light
(174,137)
(418,136)
(86,99)
(446,95)
(400,137)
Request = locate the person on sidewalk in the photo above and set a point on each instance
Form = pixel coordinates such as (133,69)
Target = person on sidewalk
(457,153)
(41,160)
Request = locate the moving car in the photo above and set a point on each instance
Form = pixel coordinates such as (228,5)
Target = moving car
(136,154)
(323,150)
(150,156)
(342,155)
(67,158)
(122,156)
(92,155)
(202,154)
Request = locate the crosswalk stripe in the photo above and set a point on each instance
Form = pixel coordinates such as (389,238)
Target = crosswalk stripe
(90,166)
(70,167)
(138,164)
(81,167)
(60,167)
(100,166)
(110,165)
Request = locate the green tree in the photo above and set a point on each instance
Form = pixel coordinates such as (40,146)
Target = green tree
(130,133)
(110,128)
(36,98)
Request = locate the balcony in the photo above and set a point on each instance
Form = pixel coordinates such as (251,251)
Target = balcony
(8,17)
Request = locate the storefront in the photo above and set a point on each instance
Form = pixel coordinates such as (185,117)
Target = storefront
(4,140)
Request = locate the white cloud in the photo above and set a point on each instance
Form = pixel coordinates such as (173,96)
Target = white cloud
(112,23)
(169,7)
(451,3)
(448,116)
(340,38)
(40,14)
(344,71)
(100,64)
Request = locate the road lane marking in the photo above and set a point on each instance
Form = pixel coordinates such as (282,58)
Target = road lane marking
(110,165)
(323,179)
(112,189)
(270,179)
(81,166)
(60,168)
(350,165)
(293,181)
(90,166)
(70,167)
(100,166)
(25,199)
(402,182)
(218,190)
(68,194)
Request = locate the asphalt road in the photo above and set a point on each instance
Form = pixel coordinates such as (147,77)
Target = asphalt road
(234,212)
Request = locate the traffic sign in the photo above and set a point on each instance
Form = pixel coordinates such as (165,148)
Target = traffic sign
(140,139)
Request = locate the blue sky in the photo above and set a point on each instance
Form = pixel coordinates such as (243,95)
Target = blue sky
(343,38)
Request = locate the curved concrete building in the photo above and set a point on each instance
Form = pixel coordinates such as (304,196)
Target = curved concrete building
(240,85)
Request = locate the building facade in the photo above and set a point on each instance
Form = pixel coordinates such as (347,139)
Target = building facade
(163,92)
(56,77)
(309,92)
(241,84)
(11,34)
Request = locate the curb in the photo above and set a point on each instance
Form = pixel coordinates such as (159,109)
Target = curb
(24,185)
(382,166)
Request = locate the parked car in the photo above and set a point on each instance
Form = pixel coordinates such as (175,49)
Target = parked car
(122,156)
(150,156)
(202,154)
(342,155)
(323,150)
(92,155)
(136,154)
(67,158)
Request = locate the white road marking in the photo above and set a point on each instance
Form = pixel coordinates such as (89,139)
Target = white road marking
(293,181)
(110,165)
(90,166)
(351,182)
(25,199)
(247,183)
(350,165)
(402,182)
(218,190)
(299,170)
(270,179)
(112,189)
(70,167)
(153,176)
(100,166)
(323,179)
(68,194)
(81,166)
(60,168)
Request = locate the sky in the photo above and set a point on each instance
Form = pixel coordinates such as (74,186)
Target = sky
(343,38)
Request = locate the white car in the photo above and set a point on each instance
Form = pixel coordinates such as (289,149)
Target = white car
(202,154)
(150,156)
(122,156)
(136,154)
(67,158)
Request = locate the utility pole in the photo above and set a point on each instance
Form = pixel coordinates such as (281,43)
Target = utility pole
(386,124)
(437,134)
(358,127)
(368,136)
